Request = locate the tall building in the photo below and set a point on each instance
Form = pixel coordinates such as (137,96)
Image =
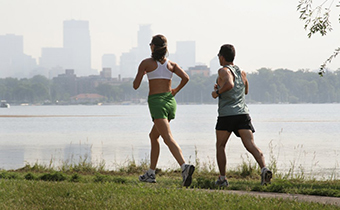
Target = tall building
(13,61)
(214,65)
(110,61)
(77,41)
(129,61)
(143,39)
(128,64)
(185,54)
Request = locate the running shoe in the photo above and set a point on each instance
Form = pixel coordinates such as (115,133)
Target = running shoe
(187,175)
(147,178)
(266,176)
(222,183)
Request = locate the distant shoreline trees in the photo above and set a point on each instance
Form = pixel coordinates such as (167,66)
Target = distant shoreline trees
(266,86)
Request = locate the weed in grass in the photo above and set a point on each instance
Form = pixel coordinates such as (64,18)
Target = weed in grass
(272,158)
(104,178)
(76,178)
(56,176)
(36,167)
(8,175)
(30,176)
(334,175)
(249,168)
(204,183)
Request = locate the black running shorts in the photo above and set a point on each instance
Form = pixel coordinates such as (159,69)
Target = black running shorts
(234,123)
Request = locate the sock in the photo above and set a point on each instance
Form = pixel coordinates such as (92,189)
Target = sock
(183,166)
(150,171)
(263,169)
(222,178)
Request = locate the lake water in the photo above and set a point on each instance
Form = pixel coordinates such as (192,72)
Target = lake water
(303,136)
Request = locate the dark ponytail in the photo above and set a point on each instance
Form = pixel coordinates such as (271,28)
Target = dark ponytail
(160,47)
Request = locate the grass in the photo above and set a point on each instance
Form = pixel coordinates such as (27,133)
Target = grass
(108,194)
(84,185)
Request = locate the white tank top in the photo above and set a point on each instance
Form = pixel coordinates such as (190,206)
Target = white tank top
(161,72)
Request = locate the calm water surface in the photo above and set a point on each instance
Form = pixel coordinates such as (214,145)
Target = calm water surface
(295,135)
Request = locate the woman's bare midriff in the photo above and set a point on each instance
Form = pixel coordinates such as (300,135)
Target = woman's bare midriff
(159,86)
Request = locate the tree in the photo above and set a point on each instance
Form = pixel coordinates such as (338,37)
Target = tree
(317,21)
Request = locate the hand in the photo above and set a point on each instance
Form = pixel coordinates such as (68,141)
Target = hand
(214,94)
(173,92)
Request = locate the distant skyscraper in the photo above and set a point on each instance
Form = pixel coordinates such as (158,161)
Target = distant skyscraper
(128,64)
(144,38)
(129,61)
(77,41)
(109,61)
(214,65)
(185,54)
(13,61)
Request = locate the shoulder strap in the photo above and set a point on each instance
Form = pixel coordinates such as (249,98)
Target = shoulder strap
(231,68)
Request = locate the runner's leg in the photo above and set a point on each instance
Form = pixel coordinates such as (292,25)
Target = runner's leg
(163,127)
(248,142)
(154,154)
(221,141)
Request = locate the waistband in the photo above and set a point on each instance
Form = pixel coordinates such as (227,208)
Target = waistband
(159,95)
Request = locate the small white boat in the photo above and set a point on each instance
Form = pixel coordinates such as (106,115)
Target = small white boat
(4,104)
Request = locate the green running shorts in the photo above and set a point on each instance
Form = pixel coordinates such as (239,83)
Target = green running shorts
(162,106)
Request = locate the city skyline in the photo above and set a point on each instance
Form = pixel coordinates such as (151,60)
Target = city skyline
(265,34)
(76,53)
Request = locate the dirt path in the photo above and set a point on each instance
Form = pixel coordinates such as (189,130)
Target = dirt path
(307,198)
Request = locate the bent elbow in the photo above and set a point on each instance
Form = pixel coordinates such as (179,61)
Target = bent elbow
(135,86)
(186,78)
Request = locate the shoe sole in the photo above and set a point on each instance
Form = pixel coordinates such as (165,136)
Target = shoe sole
(153,181)
(222,185)
(188,180)
(149,181)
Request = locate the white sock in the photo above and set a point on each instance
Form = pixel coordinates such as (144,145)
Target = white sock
(183,166)
(150,171)
(222,178)
(263,169)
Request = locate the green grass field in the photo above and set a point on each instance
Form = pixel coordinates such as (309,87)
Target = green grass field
(84,186)
(24,194)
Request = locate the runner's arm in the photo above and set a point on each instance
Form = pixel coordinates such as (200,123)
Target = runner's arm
(184,79)
(139,76)
(245,82)
(227,81)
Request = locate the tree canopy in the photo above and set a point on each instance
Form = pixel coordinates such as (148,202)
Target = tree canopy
(317,21)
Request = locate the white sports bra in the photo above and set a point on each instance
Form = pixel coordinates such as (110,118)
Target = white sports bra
(162,72)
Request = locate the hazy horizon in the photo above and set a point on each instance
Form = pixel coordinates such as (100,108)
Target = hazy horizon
(266,33)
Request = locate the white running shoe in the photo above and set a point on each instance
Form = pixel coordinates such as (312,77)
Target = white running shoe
(187,175)
(222,183)
(266,176)
(147,178)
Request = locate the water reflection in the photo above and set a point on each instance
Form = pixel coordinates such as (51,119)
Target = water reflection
(12,157)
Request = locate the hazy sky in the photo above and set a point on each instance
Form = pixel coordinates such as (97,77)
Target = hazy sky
(266,33)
